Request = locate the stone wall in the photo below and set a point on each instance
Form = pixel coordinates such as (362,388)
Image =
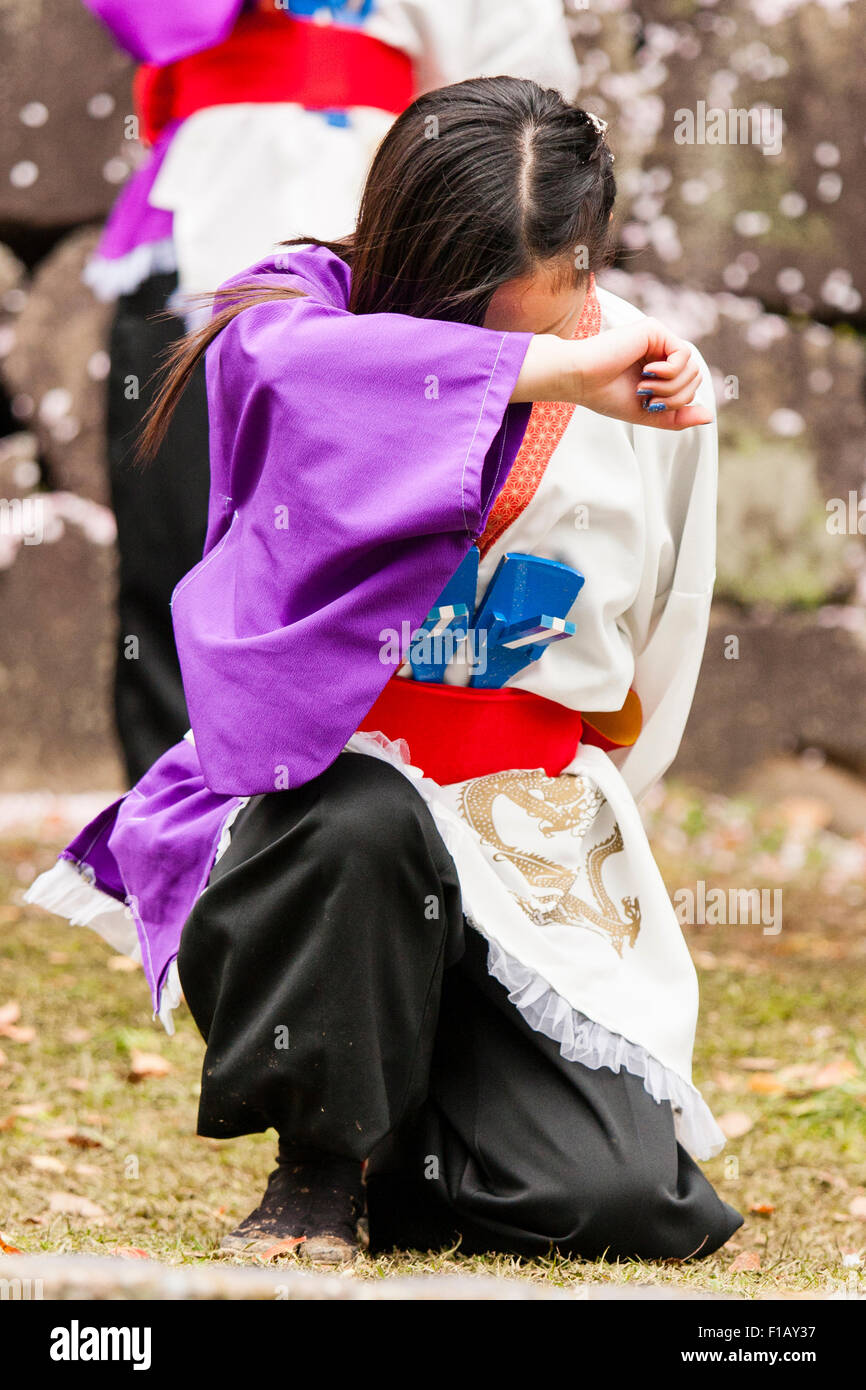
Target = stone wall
(739,131)
(740,230)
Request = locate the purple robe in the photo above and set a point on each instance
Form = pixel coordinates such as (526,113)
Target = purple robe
(354,460)
(161,31)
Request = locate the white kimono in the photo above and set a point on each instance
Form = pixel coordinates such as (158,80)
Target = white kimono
(241,178)
(557,872)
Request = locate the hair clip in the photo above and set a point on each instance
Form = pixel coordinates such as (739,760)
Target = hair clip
(597,122)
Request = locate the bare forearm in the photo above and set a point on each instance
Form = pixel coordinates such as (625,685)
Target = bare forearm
(547,373)
(639,373)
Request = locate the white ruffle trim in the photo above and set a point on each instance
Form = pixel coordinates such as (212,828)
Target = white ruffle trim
(70,892)
(169,999)
(67,890)
(226,836)
(111,277)
(580,1038)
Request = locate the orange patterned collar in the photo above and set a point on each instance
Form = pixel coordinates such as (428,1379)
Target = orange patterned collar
(547,424)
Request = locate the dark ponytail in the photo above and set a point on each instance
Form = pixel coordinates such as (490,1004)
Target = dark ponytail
(474,185)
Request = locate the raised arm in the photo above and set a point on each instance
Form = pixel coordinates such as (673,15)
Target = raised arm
(605,374)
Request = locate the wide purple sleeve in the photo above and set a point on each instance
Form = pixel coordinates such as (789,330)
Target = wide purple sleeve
(161,31)
(354,460)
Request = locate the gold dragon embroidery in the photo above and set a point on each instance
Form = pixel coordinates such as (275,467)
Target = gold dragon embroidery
(564,803)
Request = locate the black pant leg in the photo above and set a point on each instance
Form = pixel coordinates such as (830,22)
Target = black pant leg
(521,1151)
(161,512)
(313,961)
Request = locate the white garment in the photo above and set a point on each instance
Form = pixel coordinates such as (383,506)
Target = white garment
(633,509)
(557,873)
(240,179)
(450,40)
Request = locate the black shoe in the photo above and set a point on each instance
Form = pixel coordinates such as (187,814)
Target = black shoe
(317,1203)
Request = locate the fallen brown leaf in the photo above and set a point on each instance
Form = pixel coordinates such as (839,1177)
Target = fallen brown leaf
(147,1064)
(762,1208)
(746,1263)
(8,1249)
(735,1123)
(765,1083)
(834,1073)
(130,1252)
(22,1033)
(46,1163)
(71,1204)
(282,1247)
(79,1139)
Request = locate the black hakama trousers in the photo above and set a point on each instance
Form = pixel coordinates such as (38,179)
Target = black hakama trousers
(346,1003)
(161,513)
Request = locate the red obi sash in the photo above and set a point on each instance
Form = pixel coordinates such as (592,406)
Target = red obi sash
(270,57)
(454,732)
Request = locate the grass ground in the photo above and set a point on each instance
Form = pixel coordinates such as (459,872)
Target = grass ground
(91,1161)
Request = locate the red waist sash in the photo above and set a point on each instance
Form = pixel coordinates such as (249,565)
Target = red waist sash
(454,732)
(270,57)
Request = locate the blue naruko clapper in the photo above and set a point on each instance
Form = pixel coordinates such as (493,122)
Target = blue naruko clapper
(344,11)
(447,624)
(524,609)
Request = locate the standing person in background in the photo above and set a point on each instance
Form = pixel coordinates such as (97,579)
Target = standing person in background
(261,119)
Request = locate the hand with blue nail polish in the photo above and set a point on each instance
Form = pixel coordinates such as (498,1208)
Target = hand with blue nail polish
(606,373)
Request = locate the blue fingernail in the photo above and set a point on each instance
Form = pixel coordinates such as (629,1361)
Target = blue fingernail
(654,375)
(657,405)
(644,390)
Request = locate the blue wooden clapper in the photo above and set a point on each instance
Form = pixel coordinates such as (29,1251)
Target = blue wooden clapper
(446,626)
(524,609)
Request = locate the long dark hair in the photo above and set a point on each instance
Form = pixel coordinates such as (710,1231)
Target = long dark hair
(474,185)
